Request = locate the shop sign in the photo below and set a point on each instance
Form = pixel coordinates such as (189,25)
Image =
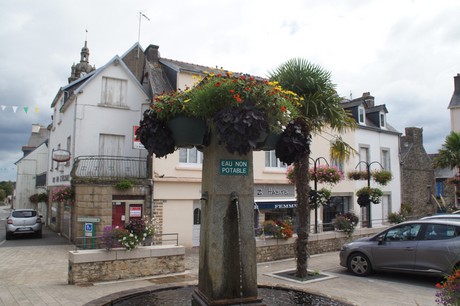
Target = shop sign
(233,167)
(274,191)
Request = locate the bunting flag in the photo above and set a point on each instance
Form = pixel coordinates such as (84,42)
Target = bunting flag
(7,169)
(14,108)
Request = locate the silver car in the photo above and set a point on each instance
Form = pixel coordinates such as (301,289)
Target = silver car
(23,221)
(425,246)
(452,217)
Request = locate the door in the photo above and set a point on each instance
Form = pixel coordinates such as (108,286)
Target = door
(397,248)
(110,145)
(118,214)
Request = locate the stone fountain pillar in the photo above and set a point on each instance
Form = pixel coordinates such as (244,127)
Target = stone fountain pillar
(228,268)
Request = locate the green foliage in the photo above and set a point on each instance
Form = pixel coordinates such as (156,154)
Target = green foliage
(382,177)
(357,175)
(2,195)
(396,217)
(7,186)
(124,184)
(39,197)
(346,222)
(449,154)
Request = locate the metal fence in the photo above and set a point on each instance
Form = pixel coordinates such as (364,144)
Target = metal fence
(102,166)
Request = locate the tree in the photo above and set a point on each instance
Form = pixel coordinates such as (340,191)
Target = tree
(319,108)
(7,187)
(449,154)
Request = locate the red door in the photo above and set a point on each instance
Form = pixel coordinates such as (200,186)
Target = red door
(118,214)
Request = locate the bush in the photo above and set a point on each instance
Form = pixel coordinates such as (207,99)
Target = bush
(346,222)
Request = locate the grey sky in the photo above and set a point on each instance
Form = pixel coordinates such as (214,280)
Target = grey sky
(405,53)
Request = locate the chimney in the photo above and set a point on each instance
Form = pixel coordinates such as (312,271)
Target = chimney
(368,99)
(152,53)
(457,84)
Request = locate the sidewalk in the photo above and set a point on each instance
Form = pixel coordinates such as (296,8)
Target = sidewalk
(37,275)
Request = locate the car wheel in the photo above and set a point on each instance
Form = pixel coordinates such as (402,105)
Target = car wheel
(359,264)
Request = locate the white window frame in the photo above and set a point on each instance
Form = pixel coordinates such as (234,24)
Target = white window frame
(385,158)
(361,115)
(272,162)
(189,151)
(362,149)
(382,120)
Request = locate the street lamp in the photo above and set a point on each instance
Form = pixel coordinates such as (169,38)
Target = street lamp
(368,169)
(317,162)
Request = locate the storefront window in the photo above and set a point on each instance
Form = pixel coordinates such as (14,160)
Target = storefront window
(337,205)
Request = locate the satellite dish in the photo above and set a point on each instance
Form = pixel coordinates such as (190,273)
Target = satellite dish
(60,155)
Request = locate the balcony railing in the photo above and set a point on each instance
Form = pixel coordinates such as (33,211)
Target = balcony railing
(102,166)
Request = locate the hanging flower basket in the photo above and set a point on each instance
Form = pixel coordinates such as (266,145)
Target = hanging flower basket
(454,180)
(294,142)
(357,175)
(367,195)
(319,198)
(186,131)
(382,177)
(326,174)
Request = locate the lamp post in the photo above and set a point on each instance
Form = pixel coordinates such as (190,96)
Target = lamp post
(368,170)
(316,162)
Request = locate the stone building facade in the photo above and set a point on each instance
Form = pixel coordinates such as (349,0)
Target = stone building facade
(417,174)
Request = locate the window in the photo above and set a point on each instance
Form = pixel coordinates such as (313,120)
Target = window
(272,162)
(114,91)
(337,164)
(382,120)
(68,144)
(440,232)
(402,233)
(361,115)
(363,157)
(190,156)
(385,159)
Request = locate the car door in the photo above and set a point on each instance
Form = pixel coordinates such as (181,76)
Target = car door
(438,250)
(396,249)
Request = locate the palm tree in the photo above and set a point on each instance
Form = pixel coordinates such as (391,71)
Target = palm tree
(319,108)
(449,154)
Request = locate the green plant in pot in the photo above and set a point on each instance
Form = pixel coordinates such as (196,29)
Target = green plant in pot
(357,175)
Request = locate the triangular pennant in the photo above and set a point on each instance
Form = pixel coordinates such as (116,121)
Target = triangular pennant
(3,107)
(15,108)
(36,109)
(26,109)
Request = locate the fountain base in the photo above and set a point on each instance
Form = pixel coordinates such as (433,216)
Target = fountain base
(199,299)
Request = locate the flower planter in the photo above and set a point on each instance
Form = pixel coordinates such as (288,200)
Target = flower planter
(269,143)
(187,132)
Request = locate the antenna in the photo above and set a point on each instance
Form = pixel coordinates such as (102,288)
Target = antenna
(139,33)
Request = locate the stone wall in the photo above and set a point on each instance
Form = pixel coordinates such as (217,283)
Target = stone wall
(89,266)
(270,249)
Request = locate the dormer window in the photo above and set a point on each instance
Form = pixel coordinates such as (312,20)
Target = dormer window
(361,115)
(382,120)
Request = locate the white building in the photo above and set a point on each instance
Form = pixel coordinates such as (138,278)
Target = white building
(31,170)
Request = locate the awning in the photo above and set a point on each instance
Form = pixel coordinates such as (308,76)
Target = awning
(275,204)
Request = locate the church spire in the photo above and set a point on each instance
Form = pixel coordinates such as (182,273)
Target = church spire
(81,69)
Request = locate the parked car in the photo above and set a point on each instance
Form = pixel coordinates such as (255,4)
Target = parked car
(429,247)
(23,221)
(452,217)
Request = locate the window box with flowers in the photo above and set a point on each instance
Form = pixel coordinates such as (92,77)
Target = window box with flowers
(240,109)
(367,195)
(65,195)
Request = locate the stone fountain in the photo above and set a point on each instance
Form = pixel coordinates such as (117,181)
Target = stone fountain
(227,266)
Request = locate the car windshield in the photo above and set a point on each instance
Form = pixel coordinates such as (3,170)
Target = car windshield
(24,214)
